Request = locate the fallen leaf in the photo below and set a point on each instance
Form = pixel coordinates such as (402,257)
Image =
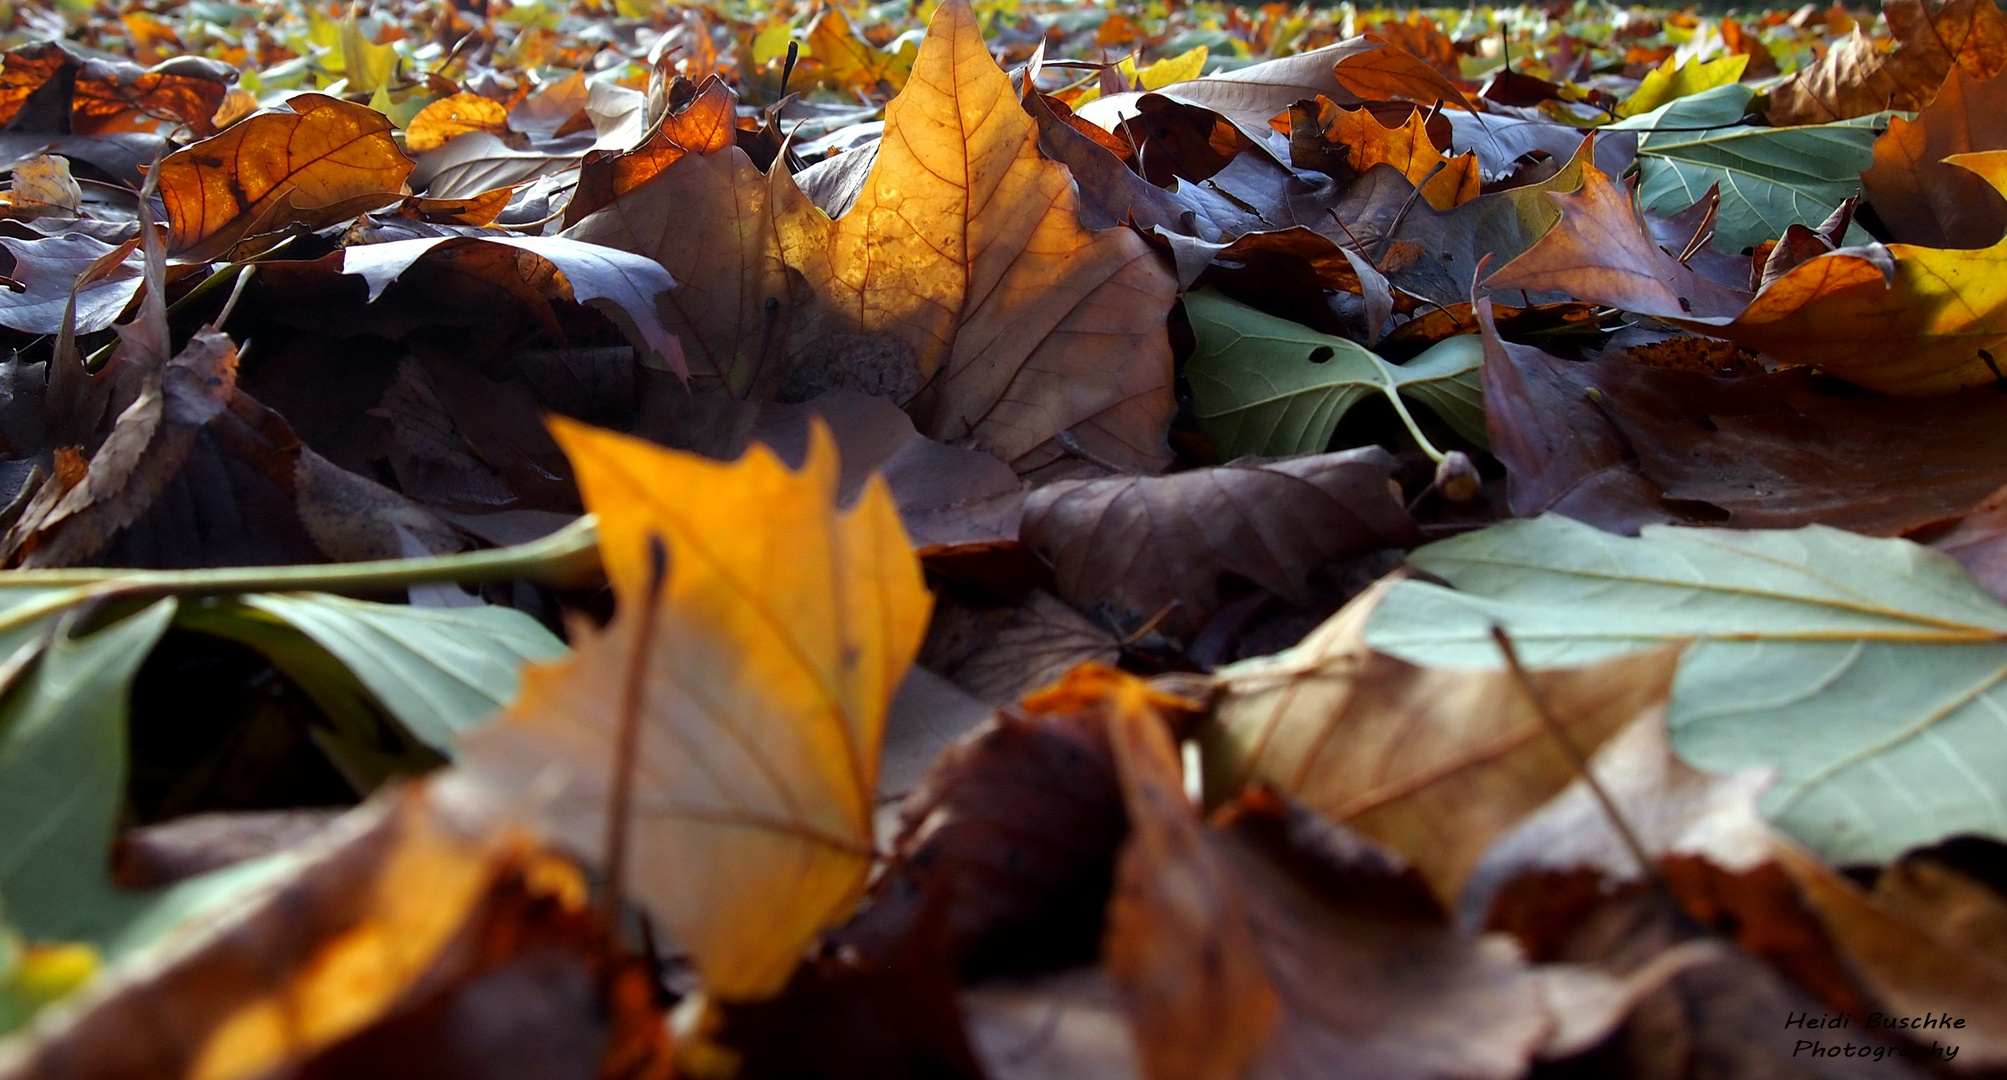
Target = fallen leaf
(1001,652)
(1433,762)
(1602,250)
(753,796)
(1445,182)
(1926,200)
(1387,72)
(103,277)
(706,125)
(1899,320)
(1855,78)
(1262,385)
(1673,80)
(313,161)
(1151,550)
(455,115)
(1881,659)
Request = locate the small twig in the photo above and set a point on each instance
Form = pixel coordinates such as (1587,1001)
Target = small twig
(236,293)
(1701,233)
(627,735)
(1072,445)
(1155,621)
(1575,755)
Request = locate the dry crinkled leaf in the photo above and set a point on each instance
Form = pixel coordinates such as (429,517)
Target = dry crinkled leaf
(1445,182)
(1135,546)
(1251,96)
(998,653)
(1389,72)
(42,187)
(1601,249)
(706,125)
(1433,762)
(313,161)
(103,277)
(1855,78)
(1922,198)
(773,649)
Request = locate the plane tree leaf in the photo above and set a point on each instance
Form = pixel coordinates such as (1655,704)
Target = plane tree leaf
(1856,78)
(313,161)
(768,657)
(1868,672)
(1923,198)
(1263,385)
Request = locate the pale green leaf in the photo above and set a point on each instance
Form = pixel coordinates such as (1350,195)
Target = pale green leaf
(1263,385)
(1769,178)
(1869,672)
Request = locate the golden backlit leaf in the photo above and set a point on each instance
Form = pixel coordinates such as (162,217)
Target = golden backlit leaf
(849,61)
(313,161)
(1927,321)
(774,645)
(1435,763)
(1924,199)
(965,244)
(455,115)
(1445,182)
(706,125)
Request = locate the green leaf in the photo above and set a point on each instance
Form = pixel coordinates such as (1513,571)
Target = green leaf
(1869,672)
(62,778)
(1770,178)
(439,671)
(1263,385)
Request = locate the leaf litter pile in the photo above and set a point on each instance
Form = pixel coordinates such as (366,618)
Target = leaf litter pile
(1019,540)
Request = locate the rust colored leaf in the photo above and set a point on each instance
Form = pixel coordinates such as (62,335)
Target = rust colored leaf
(313,161)
(1925,200)
(1392,73)
(760,709)
(1855,78)
(706,126)
(1139,547)
(1178,947)
(1602,250)
(1433,762)
(1366,142)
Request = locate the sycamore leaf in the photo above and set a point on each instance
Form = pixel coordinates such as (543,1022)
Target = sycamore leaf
(1854,78)
(1388,72)
(1925,199)
(962,271)
(313,161)
(850,62)
(1263,385)
(1901,320)
(1868,672)
(1445,182)
(1673,80)
(773,647)
(1433,762)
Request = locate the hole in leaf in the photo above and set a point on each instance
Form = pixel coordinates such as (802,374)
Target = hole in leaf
(1321,353)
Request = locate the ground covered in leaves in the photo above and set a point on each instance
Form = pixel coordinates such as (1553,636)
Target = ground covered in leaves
(1021,540)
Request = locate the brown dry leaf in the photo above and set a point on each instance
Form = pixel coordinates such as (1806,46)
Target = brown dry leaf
(1341,944)
(1178,947)
(1912,967)
(454,115)
(706,125)
(42,186)
(313,161)
(772,650)
(1979,543)
(1855,78)
(1921,198)
(1391,73)
(1007,847)
(966,246)
(1140,547)
(1433,762)
(389,940)
(1445,182)
(999,652)
(961,268)
(1602,250)
(1253,95)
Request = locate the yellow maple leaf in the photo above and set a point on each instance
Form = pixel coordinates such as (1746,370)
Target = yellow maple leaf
(767,656)
(1930,321)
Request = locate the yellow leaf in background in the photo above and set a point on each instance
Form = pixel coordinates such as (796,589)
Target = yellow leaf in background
(850,61)
(1671,81)
(769,655)
(455,115)
(369,67)
(1189,64)
(770,44)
